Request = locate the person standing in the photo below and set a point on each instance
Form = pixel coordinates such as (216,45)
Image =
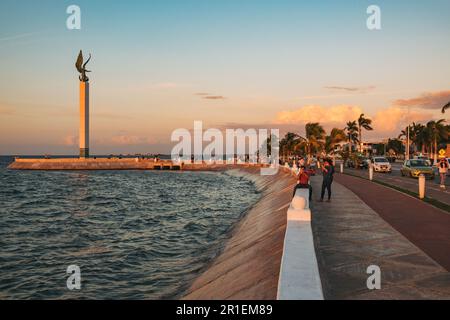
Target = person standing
(443,168)
(328,172)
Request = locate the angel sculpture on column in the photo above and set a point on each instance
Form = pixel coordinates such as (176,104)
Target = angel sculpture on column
(82,67)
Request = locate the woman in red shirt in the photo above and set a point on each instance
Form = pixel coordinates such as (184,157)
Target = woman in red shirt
(303,182)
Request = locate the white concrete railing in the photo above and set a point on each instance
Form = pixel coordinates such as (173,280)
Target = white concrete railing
(299,274)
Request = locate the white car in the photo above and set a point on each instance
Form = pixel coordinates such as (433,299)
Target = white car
(381,164)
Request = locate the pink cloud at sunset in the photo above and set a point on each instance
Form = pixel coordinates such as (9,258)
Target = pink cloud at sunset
(428,100)
(387,122)
(391,120)
(338,115)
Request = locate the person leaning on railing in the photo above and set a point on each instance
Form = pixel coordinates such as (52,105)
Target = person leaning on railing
(303,182)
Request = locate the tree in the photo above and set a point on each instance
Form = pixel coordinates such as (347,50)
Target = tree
(363,123)
(395,146)
(415,135)
(288,144)
(336,136)
(266,147)
(352,133)
(314,138)
(421,136)
(437,131)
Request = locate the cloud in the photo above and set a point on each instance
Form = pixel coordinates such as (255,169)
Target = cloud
(351,89)
(214,98)
(334,115)
(428,100)
(386,122)
(393,119)
(208,96)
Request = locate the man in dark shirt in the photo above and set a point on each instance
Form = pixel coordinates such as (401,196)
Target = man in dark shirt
(328,172)
(303,182)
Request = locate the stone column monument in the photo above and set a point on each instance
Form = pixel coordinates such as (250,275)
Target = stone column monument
(84,106)
(84,119)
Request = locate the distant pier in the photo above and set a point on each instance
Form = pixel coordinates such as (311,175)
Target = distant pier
(117,164)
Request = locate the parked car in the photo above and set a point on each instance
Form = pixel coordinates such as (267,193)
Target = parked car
(350,163)
(416,167)
(391,159)
(424,158)
(363,163)
(381,164)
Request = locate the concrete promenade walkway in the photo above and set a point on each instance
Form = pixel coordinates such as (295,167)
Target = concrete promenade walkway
(350,236)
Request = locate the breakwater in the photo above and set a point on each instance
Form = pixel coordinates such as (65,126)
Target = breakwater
(93,164)
(119,164)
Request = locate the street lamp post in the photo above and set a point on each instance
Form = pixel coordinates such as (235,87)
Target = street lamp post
(407,143)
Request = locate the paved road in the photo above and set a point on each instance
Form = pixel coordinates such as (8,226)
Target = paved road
(424,225)
(349,236)
(432,186)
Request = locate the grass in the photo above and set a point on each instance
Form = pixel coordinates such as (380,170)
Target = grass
(431,201)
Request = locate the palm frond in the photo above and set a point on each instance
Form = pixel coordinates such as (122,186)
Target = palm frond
(445,107)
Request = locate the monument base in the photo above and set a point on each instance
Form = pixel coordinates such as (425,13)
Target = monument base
(84,153)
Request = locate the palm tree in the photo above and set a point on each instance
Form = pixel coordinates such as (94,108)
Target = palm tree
(394,145)
(445,107)
(404,133)
(313,139)
(266,147)
(420,136)
(363,123)
(288,144)
(352,133)
(336,136)
(437,131)
(414,130)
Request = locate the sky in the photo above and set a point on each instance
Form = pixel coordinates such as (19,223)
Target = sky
(161,65)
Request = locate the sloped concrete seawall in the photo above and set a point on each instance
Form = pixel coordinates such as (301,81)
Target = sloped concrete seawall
(249,265)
